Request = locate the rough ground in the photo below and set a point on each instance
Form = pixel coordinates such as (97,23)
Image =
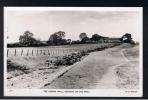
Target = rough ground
(112,68)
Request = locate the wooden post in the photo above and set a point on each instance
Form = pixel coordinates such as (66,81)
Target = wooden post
(57,52)
(37,52)
(27,52)
(22,52)
(41,51)
(15,53)
(32,52)
(44,52)
(48,52)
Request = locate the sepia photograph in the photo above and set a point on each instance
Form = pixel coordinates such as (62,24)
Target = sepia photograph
(73,51)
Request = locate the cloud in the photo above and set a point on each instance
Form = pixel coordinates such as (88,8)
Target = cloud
(44,23)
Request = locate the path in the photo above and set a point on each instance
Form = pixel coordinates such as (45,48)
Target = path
(97,70)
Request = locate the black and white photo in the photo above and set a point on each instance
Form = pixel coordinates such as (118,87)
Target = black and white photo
(73,51)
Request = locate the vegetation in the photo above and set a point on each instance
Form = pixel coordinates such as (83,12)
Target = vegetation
(58,38)
(27,39)
(83,37)
(127,38)
(96,37)
(75,57)
(14,66)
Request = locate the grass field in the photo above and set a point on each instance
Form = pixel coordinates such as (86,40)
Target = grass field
(36,56)
(52,50)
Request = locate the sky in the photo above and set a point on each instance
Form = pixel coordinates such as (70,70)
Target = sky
(43,23)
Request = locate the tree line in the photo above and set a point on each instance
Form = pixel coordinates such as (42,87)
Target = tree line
(58,38)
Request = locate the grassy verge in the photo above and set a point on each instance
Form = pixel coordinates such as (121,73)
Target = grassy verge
(75,57)
(128,74)
(15,69)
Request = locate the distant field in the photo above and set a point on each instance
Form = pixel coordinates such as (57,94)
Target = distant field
(49,50)
(52,50)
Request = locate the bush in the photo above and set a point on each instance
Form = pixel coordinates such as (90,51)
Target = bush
(11,66)
(75,57)
(68,59)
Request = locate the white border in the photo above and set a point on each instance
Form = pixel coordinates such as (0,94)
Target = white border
(92,92)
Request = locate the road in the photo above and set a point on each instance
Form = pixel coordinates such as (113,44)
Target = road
(101,69)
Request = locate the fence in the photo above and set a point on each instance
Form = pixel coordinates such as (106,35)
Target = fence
(57,51)
(38,52)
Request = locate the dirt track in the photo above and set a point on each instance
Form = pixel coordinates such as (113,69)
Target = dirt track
(111,68)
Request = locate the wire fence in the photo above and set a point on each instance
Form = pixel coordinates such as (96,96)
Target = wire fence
(56,51)
(38,52)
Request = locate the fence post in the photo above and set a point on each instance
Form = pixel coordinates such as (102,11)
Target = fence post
(7,52)
(58,52)
(32,52)
(48,52)
(27,52)
(37,52)
(15,53)
(41,51)
(22,52)
(44,52)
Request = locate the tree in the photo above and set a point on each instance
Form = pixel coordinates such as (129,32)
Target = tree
(68,41)
(82,36)
(127,38)
(56,37)
(85,39)
(26,39)
(95,37)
